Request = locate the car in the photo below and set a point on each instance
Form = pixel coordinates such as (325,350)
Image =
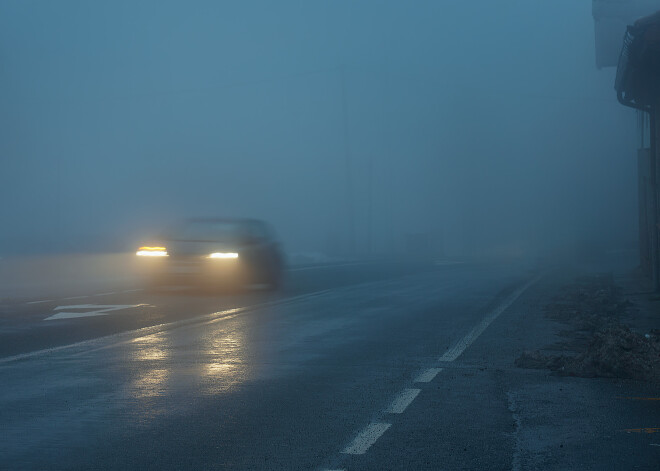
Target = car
(214,252)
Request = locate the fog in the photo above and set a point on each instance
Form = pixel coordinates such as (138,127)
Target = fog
(351,126)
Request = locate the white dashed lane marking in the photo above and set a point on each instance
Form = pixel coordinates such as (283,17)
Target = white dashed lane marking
(39,302)
(428,375)
(402,401)
(367,437)
(370,434)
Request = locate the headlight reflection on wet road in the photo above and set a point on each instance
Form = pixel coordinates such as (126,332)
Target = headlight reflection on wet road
(150,355)
(223,361)
(181,363)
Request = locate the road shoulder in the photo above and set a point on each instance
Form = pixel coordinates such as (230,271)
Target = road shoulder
(483,412)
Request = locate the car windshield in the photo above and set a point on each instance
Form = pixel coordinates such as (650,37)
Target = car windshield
(209,231)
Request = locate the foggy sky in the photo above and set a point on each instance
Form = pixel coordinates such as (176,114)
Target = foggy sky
(483,123)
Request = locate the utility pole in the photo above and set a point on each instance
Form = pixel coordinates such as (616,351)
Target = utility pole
(350,203)
(370,205)
(653,171)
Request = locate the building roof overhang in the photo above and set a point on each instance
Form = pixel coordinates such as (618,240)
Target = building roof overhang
(638,71)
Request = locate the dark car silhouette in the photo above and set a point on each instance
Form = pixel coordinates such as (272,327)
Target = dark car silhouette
(215,252)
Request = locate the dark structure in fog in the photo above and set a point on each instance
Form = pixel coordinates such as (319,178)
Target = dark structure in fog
(638,86)
(611,17)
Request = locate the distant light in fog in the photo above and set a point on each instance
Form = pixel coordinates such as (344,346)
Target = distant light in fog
(224,255)
(152,252)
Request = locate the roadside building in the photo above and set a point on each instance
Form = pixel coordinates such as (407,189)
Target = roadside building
(638,86)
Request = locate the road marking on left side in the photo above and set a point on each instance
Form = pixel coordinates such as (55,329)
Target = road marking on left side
(96,310)
(145,331)
(85,296)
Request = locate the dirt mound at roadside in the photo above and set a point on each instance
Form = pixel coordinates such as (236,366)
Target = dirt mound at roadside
(614,352)
(593,308)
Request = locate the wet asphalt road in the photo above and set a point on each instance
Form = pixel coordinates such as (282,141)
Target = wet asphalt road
(348,367)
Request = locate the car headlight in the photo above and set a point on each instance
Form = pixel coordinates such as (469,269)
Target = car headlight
(224,255)
(152,252)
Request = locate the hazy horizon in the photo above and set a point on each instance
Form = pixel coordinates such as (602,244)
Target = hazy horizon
(484,125)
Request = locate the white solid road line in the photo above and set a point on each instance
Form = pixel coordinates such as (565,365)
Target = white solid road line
(367,437)
(427,376)
(340,265)
(42,301)
(453,353)
(402,401)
